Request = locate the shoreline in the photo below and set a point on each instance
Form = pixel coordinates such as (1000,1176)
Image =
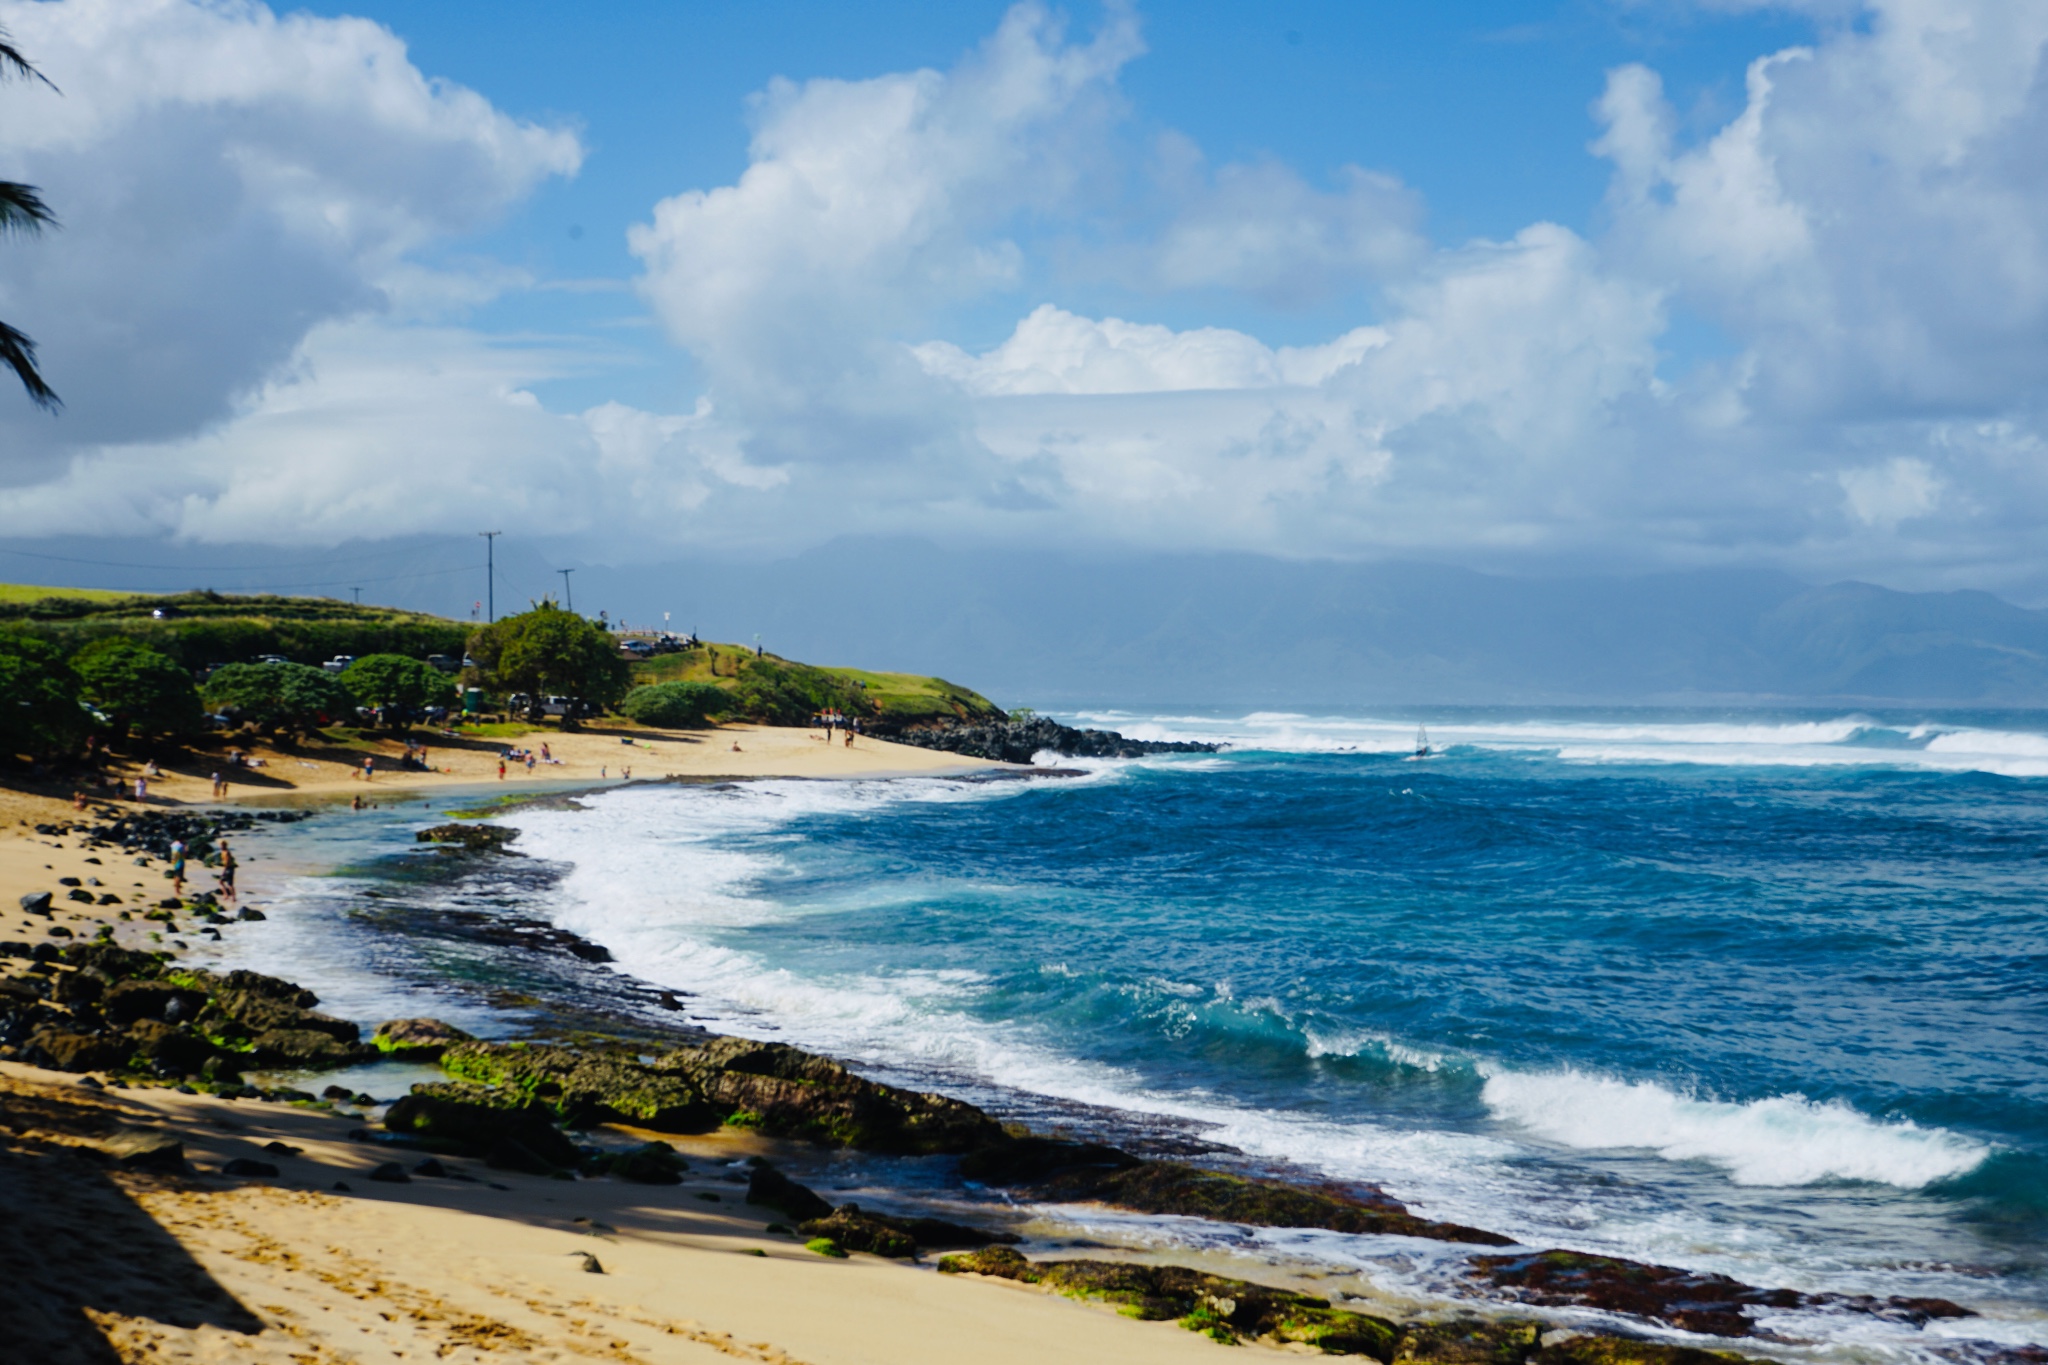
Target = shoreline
(193,1121)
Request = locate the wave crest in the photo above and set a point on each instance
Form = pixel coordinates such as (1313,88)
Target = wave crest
(1783,1140)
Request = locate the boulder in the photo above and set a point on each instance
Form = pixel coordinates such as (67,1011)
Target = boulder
(582,1086)
(127,1001)
(243,1165)
(144,1149)
(482,1121)
(857,1231)
(475,837)
(770,1188)
(301,1047)
(1467,1341)
(423,1039)
(36,903)
(116,962)
(64,1049)
(391,1173)
(261,1013)
(653,1163)
(1224,1309)
(170,1047)
(1171,1187)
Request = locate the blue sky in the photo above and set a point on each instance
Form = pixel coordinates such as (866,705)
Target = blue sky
(1483,108)
(1605,284)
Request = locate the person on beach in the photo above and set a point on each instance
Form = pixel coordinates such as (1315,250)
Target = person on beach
(141,788)
(369,769)
(78,800)
(177,867)
(546,755)
(529,765)
(226,874)
(220,788)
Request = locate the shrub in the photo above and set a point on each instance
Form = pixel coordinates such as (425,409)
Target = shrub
(138,688)
(397,681)
(278,696)
(675,705)
(548,651)
(39,710)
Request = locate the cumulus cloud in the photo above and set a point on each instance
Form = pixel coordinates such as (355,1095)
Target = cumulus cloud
(1869,233)
(227,181)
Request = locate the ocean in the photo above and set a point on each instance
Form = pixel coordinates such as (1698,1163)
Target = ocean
(1759,994)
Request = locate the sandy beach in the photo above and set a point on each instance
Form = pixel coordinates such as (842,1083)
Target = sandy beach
(107,1263)
(319,1264)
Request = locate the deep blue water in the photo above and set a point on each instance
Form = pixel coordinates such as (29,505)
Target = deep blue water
(1768,997)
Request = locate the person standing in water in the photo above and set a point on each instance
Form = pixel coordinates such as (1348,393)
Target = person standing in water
(227,872)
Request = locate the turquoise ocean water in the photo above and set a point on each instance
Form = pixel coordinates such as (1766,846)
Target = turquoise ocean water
(1766,995)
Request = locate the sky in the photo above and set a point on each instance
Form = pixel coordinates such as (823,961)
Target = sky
(1548,287)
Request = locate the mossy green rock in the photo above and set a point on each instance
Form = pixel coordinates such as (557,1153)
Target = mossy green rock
(580,1086)
(857,1231)
(1222,1308)
(1467,1341)
(484,1122)
(1601,1350)
(1169,1187)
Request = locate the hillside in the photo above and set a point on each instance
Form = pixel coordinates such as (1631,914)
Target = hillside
(202,628)
(780,689)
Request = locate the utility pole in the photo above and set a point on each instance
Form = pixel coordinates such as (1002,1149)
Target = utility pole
(359,595)
(491,570)
(568,597)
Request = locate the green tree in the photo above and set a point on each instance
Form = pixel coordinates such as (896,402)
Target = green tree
(39,710)
(397,681)
(676,705)
(22,210)
(551,652)
(287,697)
(138,688)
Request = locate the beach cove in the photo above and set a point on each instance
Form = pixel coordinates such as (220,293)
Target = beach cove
(508,947)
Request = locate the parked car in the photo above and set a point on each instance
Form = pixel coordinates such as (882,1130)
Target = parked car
(272,659)
(638,648)
(339,663)
(442,662)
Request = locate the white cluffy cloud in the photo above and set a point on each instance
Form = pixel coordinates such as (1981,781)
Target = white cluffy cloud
(228,181)
(239,314)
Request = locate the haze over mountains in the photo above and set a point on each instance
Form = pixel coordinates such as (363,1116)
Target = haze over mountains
(1059,629)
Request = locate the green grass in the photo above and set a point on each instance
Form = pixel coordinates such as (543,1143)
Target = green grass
(897,696)
(23,594)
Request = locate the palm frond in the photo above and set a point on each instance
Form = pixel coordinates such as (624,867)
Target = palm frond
(18,353)
(12,63)
(22,209)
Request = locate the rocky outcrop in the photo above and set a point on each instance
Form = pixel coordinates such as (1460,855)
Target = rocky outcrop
(420,1040)
(1225,1309)
(1017,741)
(1696,1301)
(769,1087)
(770,1188)
(507,1131)
(470,835)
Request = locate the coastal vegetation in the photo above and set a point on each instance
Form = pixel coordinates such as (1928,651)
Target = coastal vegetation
(769,688)
(549,652)
(199,629)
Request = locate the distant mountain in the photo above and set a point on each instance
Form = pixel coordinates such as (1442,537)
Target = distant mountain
(1053,629)
(1225,630)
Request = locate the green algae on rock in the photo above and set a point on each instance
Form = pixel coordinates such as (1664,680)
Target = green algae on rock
(1226,1309)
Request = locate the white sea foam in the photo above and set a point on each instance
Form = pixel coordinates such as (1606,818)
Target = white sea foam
(1784,1140)
(1841,741)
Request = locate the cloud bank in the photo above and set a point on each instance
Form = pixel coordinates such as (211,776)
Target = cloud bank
(237,315)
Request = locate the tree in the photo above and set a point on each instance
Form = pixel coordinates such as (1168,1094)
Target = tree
(393,680)
(39,710)
(289,697)
(551,652)
(22,210)
(675,705)
(138,688)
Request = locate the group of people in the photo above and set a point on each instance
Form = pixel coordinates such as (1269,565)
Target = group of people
(223,869)
(834,720)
